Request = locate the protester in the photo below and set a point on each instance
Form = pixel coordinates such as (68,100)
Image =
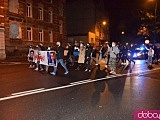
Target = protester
(38,58)
(113,51)
(47,66)
(94,55)
(102,55)
(81,57)
(132,51)
(150,56)
(156,54)
(88,57)
(68,57)
(124,55)
(41,49)
(31,57)
(75,52)
(60,57)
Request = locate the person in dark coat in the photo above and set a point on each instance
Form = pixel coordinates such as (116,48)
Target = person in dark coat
(88,52)
(60,57)
(132,51)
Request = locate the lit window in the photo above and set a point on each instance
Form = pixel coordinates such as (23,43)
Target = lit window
(29,33)
(50,16)
(40,35)
(29,10)
(50,36)
(40,13)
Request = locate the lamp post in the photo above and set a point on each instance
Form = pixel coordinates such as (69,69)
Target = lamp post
(103,23)
(99,30)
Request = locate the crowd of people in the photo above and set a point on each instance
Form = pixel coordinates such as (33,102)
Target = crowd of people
(84,55)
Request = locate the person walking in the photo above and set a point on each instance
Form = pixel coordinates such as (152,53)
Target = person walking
(81,57)
(68,56)
(132,51)
(150,56)
(37,59)
(88,52)
(31,57)
(102,54)
(113,51)
(60,56)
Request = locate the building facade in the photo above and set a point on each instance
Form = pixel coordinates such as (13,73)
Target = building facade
(30,22)
(85,21)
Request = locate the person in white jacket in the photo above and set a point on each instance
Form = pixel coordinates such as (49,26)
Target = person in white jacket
(113,51)
(150,56)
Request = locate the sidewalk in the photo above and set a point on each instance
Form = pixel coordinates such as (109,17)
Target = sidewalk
(14,60)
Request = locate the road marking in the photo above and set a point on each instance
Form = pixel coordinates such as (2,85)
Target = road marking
(42,90)
(27,91)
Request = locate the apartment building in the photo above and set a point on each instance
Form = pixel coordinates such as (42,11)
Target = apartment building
(30,22)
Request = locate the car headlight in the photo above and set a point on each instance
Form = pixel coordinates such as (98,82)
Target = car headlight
(139,54)
(134,55)
(129,54)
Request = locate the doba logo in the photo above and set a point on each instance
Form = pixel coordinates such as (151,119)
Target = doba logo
(147,115)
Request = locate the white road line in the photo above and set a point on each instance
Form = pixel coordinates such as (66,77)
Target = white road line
(34,92)
(79,81)
(27,91)
(41,90)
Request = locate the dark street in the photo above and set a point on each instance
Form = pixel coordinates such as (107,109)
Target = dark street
(26,94)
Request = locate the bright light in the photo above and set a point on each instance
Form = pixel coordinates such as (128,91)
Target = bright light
(141,48)
(134,55)
(139,54)
(129,54)
(122,32)
(104,22)
(146,41)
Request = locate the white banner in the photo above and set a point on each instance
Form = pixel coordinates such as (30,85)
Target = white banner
(46,57)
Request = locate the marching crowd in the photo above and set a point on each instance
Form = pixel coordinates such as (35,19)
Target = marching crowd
(86,54)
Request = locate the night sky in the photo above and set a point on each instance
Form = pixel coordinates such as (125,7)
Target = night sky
(125,16)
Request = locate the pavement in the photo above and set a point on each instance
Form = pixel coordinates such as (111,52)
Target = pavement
(26,94)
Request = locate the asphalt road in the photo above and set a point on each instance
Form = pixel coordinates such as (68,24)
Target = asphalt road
(26,94)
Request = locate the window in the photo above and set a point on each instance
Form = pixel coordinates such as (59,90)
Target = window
(14,30)
(40,35)
(40,13)
(61,27)
(29,33)
(50,16)
(29,10)
(50,36)
(13,6)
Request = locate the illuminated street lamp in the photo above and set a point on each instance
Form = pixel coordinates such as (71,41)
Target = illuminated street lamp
(104,23)
(122,32)
(99,30)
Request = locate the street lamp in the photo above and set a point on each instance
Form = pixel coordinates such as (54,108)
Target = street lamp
(155,18)
(104,23)
(101,30)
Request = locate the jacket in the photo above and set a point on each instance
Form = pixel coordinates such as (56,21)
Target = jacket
(113,51)
(60,53)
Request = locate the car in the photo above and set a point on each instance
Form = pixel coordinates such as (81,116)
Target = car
(138,54)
